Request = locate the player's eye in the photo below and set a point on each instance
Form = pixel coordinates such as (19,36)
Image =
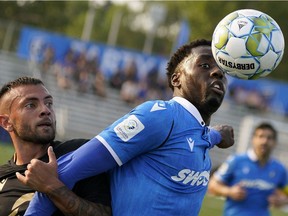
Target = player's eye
(49,104)
(205,65)
(30,105)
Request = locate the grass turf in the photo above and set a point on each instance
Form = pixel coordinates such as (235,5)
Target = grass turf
(213,206)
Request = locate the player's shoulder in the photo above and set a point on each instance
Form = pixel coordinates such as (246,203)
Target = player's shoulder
(154,112)
(235,158)
(5,169)
(241,156)
(61,148)
(8,169)
(155,109)
(156,105)
(276,163)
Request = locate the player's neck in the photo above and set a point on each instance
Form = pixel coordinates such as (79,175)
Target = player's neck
(263,160)
(25,153)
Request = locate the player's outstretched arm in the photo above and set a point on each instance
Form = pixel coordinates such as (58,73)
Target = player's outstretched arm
(43,177)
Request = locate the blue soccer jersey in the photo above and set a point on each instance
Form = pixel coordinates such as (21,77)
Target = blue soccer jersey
(162,149)
(259,182)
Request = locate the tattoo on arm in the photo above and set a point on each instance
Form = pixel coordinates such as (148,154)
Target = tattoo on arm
(72,205)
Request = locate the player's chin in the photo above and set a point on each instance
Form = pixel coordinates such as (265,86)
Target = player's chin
(214,102)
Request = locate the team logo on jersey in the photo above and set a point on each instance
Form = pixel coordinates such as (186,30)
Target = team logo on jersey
(2,183)
(272,174)
(160,105)
(19,202)
(128,128)
(245,170)
(257,184)
(194,178)
(190,143)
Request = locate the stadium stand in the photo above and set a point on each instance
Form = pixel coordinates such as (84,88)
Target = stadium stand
(86,114)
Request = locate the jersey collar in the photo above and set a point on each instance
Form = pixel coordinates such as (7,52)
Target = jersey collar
(190,108)
(252,155)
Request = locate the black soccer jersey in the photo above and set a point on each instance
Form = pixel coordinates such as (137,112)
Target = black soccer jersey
(15,196)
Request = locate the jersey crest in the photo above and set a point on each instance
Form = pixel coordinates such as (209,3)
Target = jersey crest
(128,128)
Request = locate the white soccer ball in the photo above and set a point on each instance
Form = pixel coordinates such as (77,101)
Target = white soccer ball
(248,44)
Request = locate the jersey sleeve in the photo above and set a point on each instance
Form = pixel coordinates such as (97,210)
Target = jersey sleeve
(215,137)
(40,205)
(226,170)
(284,179)
(143,129)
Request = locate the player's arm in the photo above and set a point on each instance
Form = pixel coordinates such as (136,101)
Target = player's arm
(66,201)
(43,177)
(279,198)
(71,204)
(219,183)
(218,188)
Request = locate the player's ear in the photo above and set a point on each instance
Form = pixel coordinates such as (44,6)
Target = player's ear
(5,123)
(175,79)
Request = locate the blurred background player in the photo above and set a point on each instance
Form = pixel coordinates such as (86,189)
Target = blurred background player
(253,181)
(26,112)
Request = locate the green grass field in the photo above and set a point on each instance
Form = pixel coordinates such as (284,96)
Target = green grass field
(211,206)
(6,152)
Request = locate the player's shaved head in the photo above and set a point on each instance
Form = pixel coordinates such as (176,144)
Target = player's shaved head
(8,95)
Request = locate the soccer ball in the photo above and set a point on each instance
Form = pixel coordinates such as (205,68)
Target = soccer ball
(248,44)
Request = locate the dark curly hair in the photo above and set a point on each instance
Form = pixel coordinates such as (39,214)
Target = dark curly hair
(181,54)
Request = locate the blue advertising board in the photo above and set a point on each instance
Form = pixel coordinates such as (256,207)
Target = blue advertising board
(33,43)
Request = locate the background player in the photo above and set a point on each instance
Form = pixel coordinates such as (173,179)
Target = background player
(250,181)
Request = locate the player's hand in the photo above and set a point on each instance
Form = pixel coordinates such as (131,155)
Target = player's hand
(278,199)
(227,134)
(41,176)
(237,193)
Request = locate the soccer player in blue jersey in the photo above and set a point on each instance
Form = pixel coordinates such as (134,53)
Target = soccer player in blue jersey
(251,181)
(157,155)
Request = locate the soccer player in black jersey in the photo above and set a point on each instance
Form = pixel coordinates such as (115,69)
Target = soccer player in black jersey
(26,113)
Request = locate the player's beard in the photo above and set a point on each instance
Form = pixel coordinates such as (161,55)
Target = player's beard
(27,134)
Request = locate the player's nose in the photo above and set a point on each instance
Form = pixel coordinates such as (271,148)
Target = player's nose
(217,72)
